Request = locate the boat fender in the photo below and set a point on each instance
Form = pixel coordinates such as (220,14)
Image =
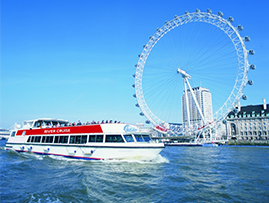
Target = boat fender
(48,149)
(30,148)
(22,147)
(92,151)
(75,151)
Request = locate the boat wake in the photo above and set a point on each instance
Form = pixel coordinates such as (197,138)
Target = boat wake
(158,160)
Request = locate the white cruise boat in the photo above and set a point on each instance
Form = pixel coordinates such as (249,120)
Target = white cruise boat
(92,142)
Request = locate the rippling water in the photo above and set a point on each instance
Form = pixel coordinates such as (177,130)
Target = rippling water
(179,174)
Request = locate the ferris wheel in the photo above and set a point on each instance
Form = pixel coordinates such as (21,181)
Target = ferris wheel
(192,51)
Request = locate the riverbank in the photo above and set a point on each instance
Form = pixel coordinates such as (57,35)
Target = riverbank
(248,143)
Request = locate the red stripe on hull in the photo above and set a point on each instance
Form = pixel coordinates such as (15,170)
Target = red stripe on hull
(63,130)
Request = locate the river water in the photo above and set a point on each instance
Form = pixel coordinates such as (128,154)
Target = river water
(179,174)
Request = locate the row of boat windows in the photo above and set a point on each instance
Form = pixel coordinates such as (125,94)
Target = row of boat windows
(82,139)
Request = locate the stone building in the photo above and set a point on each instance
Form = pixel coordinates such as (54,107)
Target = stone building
(249,122)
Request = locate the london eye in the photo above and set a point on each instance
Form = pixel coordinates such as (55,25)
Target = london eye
(198,49)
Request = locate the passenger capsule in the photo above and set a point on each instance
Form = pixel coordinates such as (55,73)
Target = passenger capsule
(134,95)
(197,10)
(186,12)
(141,114)
(137,105)
(220,14)
(224,121)
(252,67)
(250,82)
(147,122)
(235,110)
(240,27)
(244,97)
(231,19)
(251,52)
(136,65)
(209,11)
(134,75)
(247,38)
(133,85)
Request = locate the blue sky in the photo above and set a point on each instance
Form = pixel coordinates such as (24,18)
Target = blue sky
(74,60)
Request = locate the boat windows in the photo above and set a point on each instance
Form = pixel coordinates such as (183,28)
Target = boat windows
(37,138)
(129,138)
(146,138)
(13,134)
(57,139)
(92,138)
(37,124)
(84,139)
(46,123)
(34,139)
(139,138)
(61,139)
(96,138)
(114,138)
(29,138)
(99,138)
(47,139)
(78,139)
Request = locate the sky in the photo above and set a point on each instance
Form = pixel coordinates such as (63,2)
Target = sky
(74,60)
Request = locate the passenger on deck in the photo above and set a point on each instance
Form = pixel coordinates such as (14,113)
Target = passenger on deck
(106,121)
(93,122)
(79,123)
(102,122)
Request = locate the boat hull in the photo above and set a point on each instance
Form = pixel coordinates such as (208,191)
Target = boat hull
(116,152)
